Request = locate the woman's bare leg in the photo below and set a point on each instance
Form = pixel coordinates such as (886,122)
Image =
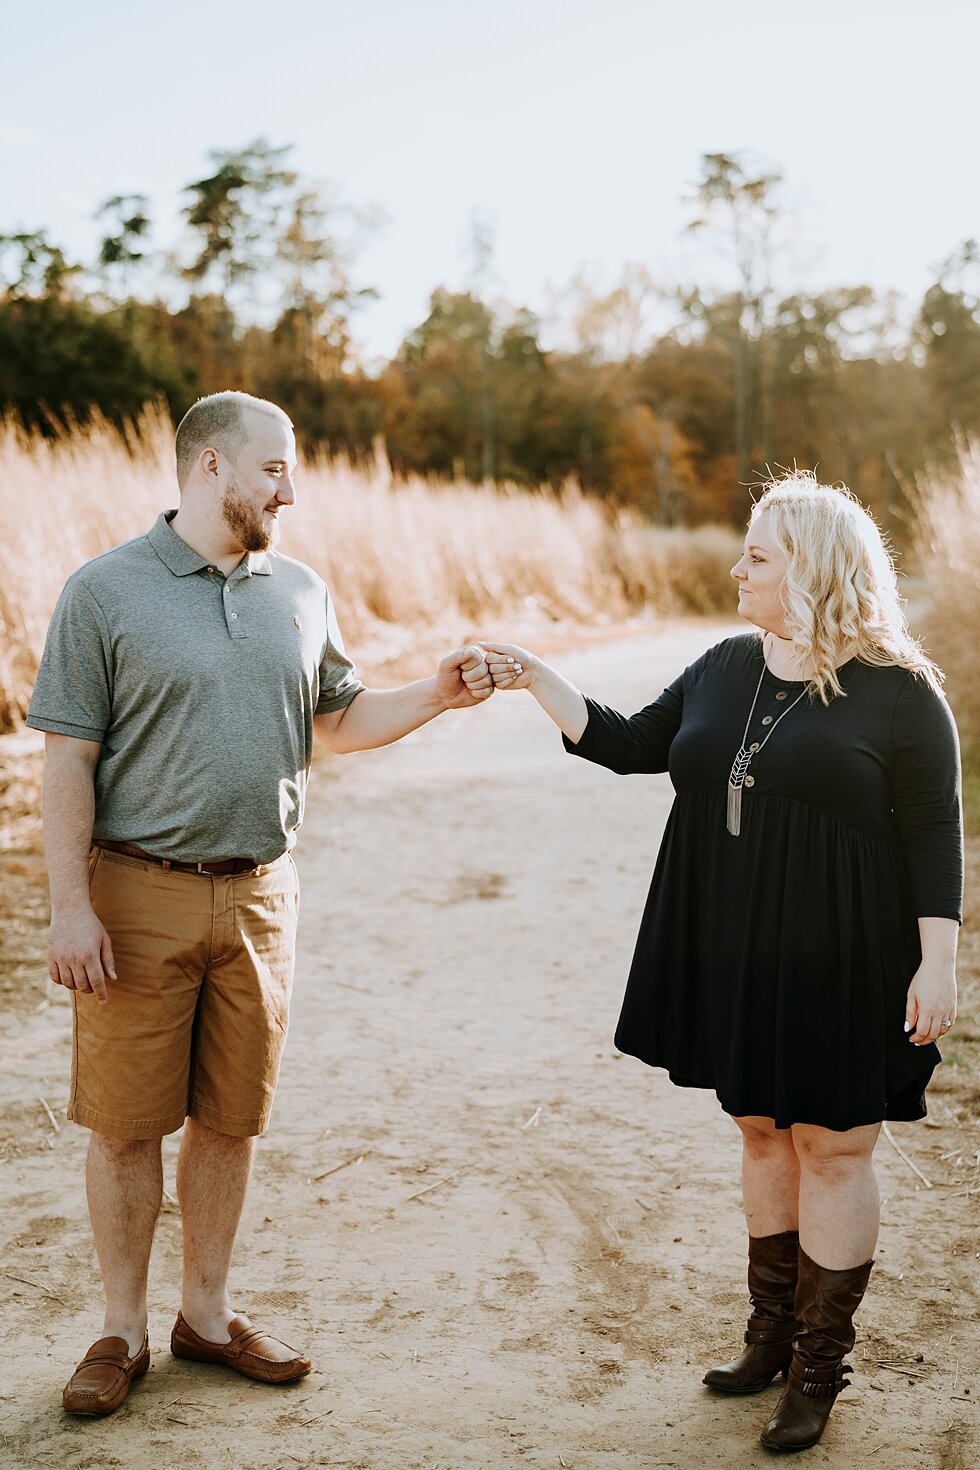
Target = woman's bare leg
(770,1177)
(839,1200)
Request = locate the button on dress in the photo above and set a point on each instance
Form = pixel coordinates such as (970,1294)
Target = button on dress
(773,967)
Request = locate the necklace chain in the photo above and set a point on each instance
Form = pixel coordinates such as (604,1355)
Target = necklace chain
(742,761)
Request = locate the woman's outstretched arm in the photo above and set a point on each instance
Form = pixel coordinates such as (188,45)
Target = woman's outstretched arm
(515,668)
(626,744)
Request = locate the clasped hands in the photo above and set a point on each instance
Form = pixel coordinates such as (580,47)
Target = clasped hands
(470,675)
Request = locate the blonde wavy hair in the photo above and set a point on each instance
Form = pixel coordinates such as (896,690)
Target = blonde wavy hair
(841,590)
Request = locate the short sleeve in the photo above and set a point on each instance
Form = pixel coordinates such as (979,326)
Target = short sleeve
(637,744)
(73,691)
(926,803)
(338,683)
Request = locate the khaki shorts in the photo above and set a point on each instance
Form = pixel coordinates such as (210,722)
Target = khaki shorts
(196,1020)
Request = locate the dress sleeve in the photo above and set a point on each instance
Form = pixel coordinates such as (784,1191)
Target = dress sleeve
(73,690)
(925,795)
(640,743)
(338,681)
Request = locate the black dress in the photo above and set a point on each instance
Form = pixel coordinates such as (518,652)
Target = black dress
(773,967)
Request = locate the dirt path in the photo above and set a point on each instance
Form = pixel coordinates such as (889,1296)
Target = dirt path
(505,1244)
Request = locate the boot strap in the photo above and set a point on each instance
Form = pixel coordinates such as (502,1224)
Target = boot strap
(815,1382)
(760,1332)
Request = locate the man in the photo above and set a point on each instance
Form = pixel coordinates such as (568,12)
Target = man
(177,691)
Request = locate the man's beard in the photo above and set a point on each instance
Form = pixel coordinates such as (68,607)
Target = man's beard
(245,522)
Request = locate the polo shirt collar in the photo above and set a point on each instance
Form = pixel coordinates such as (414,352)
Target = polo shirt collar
(182,559)
(172,551)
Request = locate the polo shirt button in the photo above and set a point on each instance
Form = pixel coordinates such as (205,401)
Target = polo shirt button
(767,720)
(750,780)
(781,694)
(234,615)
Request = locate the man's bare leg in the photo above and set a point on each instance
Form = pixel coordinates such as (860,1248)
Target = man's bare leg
(124,1181)
(213,1173)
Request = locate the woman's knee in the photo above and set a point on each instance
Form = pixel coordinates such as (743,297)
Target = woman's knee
(831,1155)
(761,1138)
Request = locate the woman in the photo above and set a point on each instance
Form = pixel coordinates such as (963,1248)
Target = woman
(797,951)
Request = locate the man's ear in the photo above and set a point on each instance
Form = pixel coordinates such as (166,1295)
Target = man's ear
(209,460)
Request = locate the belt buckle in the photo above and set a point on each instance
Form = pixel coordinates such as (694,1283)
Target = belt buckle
(200,867)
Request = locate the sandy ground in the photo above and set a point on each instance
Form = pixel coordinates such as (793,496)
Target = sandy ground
(504,1244)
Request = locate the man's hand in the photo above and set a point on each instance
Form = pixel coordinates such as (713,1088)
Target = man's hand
(80,953)
(464,679)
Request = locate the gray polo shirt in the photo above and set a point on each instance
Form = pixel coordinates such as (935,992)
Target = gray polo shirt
(201,689)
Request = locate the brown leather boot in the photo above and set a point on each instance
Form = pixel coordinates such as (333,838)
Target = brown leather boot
(769,1334)
(825,1305)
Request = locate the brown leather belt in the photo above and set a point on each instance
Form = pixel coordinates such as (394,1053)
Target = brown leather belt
(227,867)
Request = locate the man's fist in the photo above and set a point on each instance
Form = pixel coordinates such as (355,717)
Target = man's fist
(463,678)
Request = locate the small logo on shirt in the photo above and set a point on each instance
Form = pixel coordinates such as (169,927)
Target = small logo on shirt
(297,624)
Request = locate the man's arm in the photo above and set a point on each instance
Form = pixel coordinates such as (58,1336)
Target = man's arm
(79,949)
(380,716)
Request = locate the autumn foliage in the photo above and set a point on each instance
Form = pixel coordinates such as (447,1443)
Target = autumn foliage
(669,401)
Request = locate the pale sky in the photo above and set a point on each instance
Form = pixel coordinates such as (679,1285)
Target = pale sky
(576,126)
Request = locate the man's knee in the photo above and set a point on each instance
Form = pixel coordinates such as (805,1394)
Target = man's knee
(198,1134)
(124,1150)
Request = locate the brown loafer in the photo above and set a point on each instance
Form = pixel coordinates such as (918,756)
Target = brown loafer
(251,1351)
(102,1379)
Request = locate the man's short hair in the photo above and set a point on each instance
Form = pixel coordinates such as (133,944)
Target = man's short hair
(217,422)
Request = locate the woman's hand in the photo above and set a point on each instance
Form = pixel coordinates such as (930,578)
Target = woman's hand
(510,667)
(931,1001)
(514,668)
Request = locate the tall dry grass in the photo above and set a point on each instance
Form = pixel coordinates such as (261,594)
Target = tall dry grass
(399,559)
(948,512)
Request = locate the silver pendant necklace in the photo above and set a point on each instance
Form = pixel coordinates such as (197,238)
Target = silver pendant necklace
(741,763)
